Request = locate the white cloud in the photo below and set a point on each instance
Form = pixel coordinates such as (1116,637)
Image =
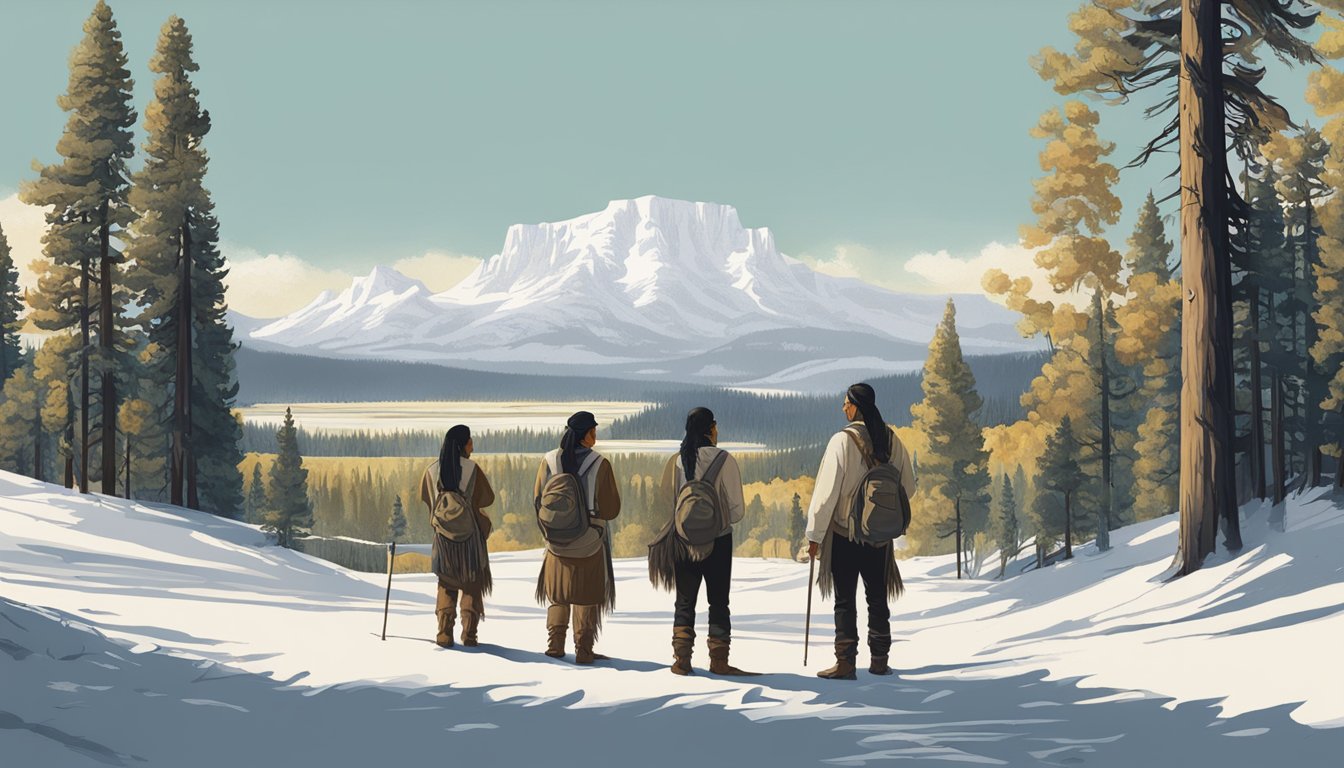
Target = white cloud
(953,274)
(273,285)
(939,271)
(24,226)
(438,270)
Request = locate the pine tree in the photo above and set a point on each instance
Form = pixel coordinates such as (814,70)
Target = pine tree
(1299,163)
(1209,53)
(1006,529)
(11,305)
(1326,94)
(86,198)
(179,274)
(797,522)
(291,513)
(21,434)
(1061,473)
(1149,344)
(396,522)
(955,468)
(257,503)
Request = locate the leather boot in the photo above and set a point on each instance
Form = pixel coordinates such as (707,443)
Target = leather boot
(444,638)
(470,620)
(718,659)
(585,633)
(683,645)
(557,626)
(879,647)
(845,652)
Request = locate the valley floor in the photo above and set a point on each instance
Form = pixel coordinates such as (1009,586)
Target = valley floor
(132,634)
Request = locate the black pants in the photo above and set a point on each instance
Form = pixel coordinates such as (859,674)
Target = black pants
(849,562)
(716,571)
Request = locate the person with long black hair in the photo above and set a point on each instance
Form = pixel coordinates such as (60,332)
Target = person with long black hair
(843,561)
(577,577)
(701,457)
(462,568)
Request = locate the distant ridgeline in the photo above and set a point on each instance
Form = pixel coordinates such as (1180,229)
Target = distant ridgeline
(279,377)
(778,421)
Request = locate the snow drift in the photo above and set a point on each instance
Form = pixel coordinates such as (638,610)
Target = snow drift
(133,634)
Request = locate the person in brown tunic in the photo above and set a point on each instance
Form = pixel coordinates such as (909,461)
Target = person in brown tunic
(577,579)
(464,577)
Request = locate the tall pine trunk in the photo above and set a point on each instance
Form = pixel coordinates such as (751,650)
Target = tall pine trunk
(1104,530)
(1207,484)
(106,338)
(37,439)
(84,374)
(1257,448)
(183,464)
(958,508)
(1279,454)
(1068,526)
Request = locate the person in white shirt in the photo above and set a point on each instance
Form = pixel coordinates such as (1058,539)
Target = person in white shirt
(844,562)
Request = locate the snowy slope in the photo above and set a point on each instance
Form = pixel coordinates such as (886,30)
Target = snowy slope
(649,280)
(138,635)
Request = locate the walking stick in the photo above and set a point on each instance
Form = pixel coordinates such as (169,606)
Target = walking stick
(391,555)
(807,627)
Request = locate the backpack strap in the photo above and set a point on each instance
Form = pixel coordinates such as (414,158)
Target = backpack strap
(711,475)
(862,446)
(587,485)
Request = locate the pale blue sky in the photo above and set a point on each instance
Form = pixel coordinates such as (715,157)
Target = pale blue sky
(352,133)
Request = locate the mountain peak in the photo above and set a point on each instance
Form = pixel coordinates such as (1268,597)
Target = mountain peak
(382,279)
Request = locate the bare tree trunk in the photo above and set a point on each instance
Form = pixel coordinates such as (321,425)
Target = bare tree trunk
(958,507)
(1104,530)
(1257,401)
(181,463)
(37,440)
(1207,484)
(84,375)
(128,466)
(1276,429)
(1068,526)
(106,339)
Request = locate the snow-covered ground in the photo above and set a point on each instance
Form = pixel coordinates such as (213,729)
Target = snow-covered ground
(132,634)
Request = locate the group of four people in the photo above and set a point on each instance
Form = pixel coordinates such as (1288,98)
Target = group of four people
(577,580)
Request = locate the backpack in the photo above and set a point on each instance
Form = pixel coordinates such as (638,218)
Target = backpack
(880,510)
(452,516)
(697,514)
(563,508)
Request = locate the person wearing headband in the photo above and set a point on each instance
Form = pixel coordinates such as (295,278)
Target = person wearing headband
(462,568)
(577,578)
(845,562)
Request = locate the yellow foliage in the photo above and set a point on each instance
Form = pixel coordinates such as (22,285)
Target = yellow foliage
(411,562)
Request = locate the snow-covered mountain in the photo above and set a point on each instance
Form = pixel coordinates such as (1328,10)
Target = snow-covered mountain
(637,289)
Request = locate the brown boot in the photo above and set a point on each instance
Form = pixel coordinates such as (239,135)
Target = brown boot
(444,638)
(683,644)
(878,666)
(845,651)
(470,620)
(718,659)
(585,633)
(557,626)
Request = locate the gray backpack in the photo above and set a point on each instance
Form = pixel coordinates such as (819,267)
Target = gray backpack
(563,508)
(697,516)
(880,510)
(452,516)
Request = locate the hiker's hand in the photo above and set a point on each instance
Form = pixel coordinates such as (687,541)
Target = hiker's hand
(812,550)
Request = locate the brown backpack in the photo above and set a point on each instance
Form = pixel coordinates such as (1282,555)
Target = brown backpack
(453,516)
(880,509)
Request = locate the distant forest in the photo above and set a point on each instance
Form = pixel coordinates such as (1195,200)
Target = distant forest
(803,420)
(777,421)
